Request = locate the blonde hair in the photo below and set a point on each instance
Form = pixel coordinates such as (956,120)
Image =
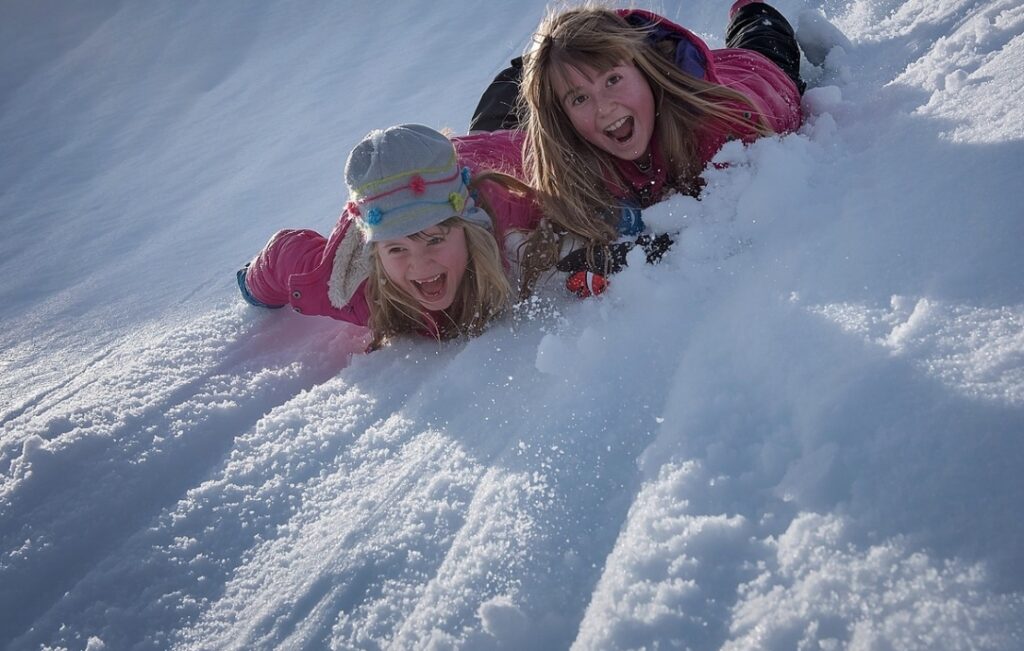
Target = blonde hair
(483,294)
(568,173)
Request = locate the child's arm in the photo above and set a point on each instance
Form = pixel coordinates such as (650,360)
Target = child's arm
(288,252)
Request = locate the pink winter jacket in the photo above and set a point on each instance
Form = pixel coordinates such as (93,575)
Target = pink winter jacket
(313,274)
(773,94)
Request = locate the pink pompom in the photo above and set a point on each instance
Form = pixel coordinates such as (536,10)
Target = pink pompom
(418,185)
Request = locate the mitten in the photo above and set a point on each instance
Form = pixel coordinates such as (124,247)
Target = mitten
(604,260)
(655,247)
(612,258)
(586,283)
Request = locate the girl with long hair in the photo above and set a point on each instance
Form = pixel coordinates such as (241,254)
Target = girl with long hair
(623,107)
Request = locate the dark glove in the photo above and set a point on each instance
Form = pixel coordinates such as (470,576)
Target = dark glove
(612,258)
(655,246)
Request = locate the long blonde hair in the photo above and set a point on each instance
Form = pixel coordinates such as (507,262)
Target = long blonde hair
(568,173)
(483,294)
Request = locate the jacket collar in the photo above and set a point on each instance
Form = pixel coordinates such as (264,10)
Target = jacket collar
(640,183)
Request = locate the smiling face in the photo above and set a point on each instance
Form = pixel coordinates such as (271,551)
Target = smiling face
(612,110)
(428,265)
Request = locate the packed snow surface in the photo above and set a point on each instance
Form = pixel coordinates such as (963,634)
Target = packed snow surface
(804,429)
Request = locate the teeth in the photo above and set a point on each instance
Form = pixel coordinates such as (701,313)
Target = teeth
(427,280)
(615,125)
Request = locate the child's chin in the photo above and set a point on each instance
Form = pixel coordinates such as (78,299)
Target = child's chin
(624,151)
(442,303)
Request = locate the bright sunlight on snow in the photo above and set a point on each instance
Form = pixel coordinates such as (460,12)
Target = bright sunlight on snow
(804,429)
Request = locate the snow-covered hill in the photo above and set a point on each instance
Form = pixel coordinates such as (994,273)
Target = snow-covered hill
(803,430)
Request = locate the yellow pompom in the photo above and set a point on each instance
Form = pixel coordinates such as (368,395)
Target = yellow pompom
(457,201)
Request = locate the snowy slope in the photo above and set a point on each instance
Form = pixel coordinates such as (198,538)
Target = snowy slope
(802,430)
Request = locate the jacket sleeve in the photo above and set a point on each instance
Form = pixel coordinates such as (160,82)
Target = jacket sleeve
(289,252)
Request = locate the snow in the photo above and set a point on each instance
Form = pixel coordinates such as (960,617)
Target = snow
(802,430)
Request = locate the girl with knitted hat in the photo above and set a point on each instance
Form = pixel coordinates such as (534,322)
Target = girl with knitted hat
(424,245)
(624,107)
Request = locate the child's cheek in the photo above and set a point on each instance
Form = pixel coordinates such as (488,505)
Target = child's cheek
(391,266)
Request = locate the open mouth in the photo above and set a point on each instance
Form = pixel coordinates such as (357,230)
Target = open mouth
(431,289)
(621,130)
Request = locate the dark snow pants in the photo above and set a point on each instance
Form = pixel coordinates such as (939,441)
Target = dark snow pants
(761,28)
(497,108)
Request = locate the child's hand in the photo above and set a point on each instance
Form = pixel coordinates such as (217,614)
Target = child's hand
(604,260)
(586,283)
(611,259)
(655,246)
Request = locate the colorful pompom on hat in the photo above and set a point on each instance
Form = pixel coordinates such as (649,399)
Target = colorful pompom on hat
(404,179)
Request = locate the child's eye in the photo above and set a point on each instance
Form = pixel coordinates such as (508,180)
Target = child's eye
(436,239)
(394,250)
(614,79)
(577,100)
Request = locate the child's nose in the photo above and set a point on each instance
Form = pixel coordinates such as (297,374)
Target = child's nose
(420,259)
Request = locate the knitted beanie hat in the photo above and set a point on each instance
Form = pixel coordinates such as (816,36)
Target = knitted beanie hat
(404,179)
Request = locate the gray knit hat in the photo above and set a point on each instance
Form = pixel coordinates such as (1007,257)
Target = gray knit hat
(404,179)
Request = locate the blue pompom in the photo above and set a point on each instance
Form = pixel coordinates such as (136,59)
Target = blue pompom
(465,176)
(373,216)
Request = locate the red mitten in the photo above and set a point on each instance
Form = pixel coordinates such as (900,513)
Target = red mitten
(586,283)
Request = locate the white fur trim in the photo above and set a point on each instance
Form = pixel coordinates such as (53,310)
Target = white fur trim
(351,267)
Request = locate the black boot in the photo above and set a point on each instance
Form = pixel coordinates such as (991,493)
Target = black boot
(760,27)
